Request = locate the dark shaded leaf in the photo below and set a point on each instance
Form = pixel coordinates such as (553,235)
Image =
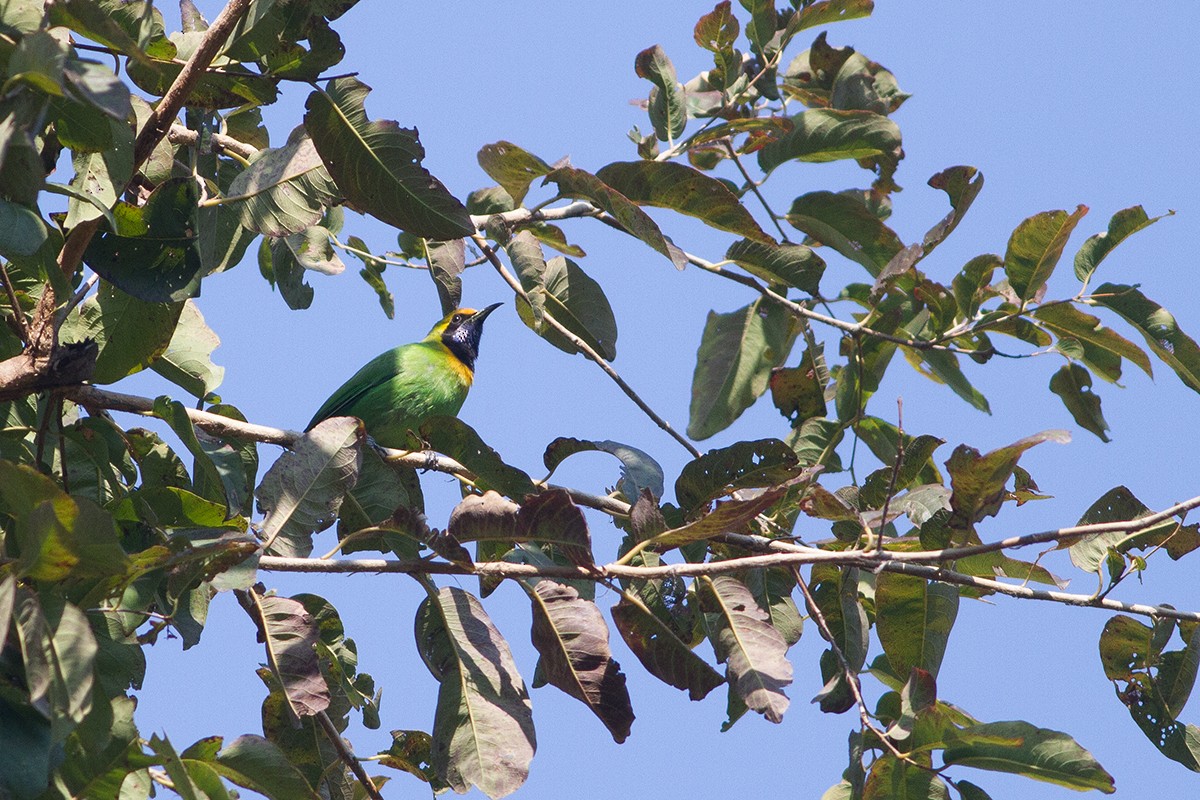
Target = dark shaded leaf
(576,183)
(453,437)
(1034,249)
(153,254)
(737,352)
(745,465)
(979,480)
(913,618)
(1096,248)
(669,184)
(1100,344)
(1073,384)
(572,638)
(793,265)
(668,111)
(131,333)
(483,729)
(290,635)
(849,227)
(1023,749)
(823,134)
(662,652)
(1158,326)
(511,167)
(638,470)
(578,303)
(377,164)
(962,185)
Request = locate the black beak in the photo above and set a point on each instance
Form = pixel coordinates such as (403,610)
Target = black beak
(480,315)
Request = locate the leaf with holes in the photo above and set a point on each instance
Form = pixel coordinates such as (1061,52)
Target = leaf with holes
(1177,350)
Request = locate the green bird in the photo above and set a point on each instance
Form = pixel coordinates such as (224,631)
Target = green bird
(398,390)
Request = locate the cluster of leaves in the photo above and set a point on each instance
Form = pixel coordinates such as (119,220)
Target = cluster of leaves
(110,539)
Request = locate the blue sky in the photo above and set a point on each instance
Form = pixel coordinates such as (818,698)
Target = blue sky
(1057,104)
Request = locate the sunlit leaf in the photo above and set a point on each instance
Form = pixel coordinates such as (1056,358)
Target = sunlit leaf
(284,190)
(1034,249)
(822,134)
(846,225)
(1096,248)
(638,469)
(1178,350)
(1023,749)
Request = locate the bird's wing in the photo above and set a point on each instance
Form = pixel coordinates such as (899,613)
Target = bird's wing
(375,372)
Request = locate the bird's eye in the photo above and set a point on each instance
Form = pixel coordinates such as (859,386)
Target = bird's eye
(457,318)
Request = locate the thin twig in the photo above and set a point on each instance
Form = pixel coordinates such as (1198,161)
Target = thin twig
(585,348)
(891,490)
(17,313)
(754,188)
(850,674)
(351,761)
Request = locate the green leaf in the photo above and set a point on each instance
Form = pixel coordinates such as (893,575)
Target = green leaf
(100,177)
(257,764)
(377,164)
(825,12)
(483,729)
(754,652)
(638,470)
(511,167)
(22,231)
(744,465)
(1101,345)
(576,183)
(793,265)
(962,185)
(133,28)
(669,184)
(914,618)
(377,493)
(457,439)
(57,535)
(278,264)
(979,480)
(892,779)
(1096,248)
(662,652)
(153,254)
(824,134)
(799,392)
(187,361)
(1073,384)
(572,639)
(289,633)
(849,227)
(216,471)
(130,333)
(1177,350)
(1023,749)
(1034,249)
(284,190)
(668,111)
(943,368)
(574,299)
(26,739)
(737,352)
(302,491)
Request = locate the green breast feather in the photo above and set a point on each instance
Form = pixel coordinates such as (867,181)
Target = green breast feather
(397,390)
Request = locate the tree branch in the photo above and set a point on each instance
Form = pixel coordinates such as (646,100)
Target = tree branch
(586,349)
(180,134)
(504,569)
(339,744)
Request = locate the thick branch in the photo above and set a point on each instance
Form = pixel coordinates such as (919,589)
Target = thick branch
(168,108)
(179,134)
(348,758)
(503,569)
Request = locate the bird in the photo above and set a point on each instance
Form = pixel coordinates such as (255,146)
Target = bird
(396,391)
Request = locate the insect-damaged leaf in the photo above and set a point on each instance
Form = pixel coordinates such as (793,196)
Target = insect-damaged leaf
(483,729)
(638,470)
(511,167)
(1158,326)
(754,652)
(979,480)
(284,190)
